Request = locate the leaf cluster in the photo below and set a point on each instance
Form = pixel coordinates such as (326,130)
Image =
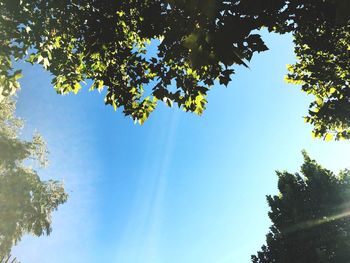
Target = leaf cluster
(146,51)
(109,41)
(323,70)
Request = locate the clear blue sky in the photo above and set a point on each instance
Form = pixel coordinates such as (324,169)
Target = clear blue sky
(180,188)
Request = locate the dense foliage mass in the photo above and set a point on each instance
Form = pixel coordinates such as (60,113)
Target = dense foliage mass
(323,69)
(310,216)
(145,51)
(26,202)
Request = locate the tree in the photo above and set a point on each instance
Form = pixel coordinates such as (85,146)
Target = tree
(9,259)
(310,216)
(323,70)
(26,202)
(196,42)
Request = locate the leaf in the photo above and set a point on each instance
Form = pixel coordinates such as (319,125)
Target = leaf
(328,137)
(39,58)
(168,101)
(76,87)
(17,74)
(100,85)
(46,63)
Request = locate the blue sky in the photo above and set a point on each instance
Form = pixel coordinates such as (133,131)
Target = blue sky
(180,188)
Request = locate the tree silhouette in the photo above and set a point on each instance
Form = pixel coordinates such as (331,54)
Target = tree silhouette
(310,216)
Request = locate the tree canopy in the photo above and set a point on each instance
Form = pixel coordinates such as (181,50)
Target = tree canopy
(26,202)
(196,42)
(310,216)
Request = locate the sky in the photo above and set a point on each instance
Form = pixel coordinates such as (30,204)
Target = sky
(180,188)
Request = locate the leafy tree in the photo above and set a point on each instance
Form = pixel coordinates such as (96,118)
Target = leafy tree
(310,216)
(196,42)
(26,202)
(323,69)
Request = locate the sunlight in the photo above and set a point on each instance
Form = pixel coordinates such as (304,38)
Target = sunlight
(316,222)
(145,218)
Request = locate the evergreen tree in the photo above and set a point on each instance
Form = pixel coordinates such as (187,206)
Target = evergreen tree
(310,216)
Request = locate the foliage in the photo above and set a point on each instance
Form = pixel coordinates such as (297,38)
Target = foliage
(26,202)
(323,70)
(9,259)
(196,42)
(310,216)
